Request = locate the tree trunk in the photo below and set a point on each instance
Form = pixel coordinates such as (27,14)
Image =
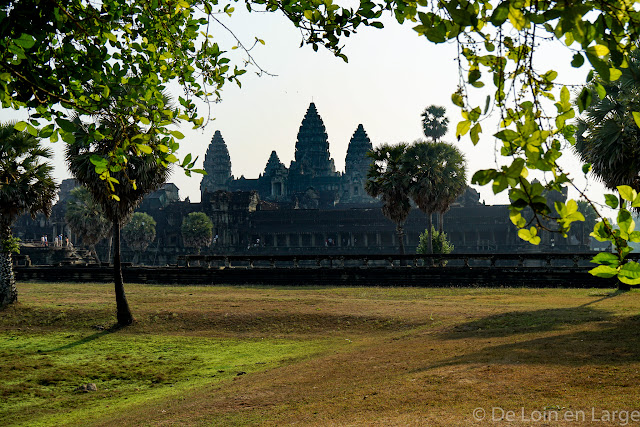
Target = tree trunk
(94,253)
(122,306)
(441,229)
(400,232)
(8,289)
(430,231)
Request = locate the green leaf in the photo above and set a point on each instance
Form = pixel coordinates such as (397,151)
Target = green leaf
(483,177)
(598,50)
(462,128)
(144,148)
(636,118)
(627,193)
(20,126)
(578,60)
(177,134)
(630,273)
(586,168)
(611,201)
(25,41)
(604,271)
(606,258)
(626,223)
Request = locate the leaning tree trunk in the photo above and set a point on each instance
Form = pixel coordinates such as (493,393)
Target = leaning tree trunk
(8,289)
(122,306)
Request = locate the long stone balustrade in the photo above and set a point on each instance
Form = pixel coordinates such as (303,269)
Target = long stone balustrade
(494,270)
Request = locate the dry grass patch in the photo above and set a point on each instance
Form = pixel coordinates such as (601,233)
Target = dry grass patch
(330,356)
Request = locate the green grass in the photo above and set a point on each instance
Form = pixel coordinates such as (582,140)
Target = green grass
(42,371)
(313,356)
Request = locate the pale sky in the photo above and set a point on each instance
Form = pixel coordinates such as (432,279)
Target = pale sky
(392,75)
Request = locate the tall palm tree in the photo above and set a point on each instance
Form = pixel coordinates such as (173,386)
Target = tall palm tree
(26,185)
(434,122)
(387,179)
(607,136)
(142,173)
(453,175)
(86,220)
(438,178)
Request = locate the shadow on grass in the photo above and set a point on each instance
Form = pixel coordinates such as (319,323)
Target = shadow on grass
(85,340)
(615,342)
(520,322)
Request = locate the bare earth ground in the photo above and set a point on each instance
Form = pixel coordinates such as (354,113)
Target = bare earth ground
(378,356)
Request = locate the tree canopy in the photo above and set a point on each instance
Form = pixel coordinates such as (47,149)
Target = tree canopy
(26,186)
(197,230)
(139,232)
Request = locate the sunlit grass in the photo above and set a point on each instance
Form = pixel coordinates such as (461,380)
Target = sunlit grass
(312,356)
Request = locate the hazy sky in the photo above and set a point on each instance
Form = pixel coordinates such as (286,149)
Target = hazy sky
(392,75)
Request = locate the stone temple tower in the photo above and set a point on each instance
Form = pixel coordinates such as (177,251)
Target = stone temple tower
(217,164)
(356,167)
(312,147)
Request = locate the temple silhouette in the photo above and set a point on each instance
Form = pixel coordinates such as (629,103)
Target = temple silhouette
(310,182)
(306,208)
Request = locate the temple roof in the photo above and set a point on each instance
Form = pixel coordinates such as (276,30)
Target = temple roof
(217,164)
(357,160)
(273,165)
(312,146)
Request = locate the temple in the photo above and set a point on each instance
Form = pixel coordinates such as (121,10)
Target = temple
(310,182)
(306,208)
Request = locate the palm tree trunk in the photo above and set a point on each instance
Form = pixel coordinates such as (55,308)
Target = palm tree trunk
(430,231)
(8,289)
(441,228)
(94,253)
(400,233)
(122,306)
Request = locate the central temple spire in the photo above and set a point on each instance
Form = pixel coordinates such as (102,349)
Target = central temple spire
(312,147)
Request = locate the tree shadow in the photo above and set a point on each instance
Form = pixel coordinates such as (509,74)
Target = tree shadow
(86,339)
(613,342)
(522,322)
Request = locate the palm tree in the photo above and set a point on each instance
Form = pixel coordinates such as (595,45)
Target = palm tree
(453,175)
(438,178)
(434,122)
(387,179)
(26,185)
(86,220)
(607,136)
(142,173)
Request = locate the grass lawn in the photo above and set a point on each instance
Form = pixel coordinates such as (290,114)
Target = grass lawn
(320,356)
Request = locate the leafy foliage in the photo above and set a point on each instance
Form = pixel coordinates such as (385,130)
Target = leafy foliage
(438,176)
(388,179)
(616,264)
(197,230)
(140,231)
(439,241)
(85,218)
(434,122)
(607,135)
(26,186)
